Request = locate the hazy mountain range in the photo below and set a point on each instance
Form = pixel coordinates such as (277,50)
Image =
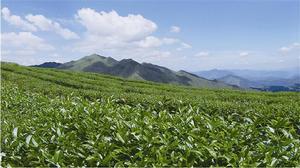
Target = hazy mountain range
(253,75)
(262,80)
(130,69)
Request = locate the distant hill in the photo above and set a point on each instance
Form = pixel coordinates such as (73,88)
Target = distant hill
(239,81)
(48,65)
(214,74)
(131,69)
(252,75)
(260,80)
(287,82)
(273,85)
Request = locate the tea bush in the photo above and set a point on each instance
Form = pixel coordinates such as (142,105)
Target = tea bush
(62,118)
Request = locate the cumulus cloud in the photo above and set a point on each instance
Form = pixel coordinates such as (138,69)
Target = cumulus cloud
(292,47)
(24,48)
(244,53)
(296,45)
(37,23)
(202,54)
(151,41)
(284,49)
(17,20)
(107,33)
(129,36)
(111,24)
(46,24)
(175,29)
(183,46)
(24,41)
(170,40)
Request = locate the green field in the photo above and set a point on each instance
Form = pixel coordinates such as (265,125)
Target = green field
(62,118)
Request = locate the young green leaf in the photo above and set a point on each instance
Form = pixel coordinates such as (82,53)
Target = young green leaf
(28,138)
(120,138)
(15,132)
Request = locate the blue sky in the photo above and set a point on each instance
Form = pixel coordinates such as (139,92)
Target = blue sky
(190,35)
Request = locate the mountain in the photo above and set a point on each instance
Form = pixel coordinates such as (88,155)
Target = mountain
(256,75)
(199,81)
(275,85)
(252,75)
(130,69)
(287,82)
(214,73)
(239,81)
(48,65)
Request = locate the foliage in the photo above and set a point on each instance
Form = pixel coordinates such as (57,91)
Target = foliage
(62,118)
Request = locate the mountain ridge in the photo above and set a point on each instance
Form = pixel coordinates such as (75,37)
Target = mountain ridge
(131,69)
(239,81)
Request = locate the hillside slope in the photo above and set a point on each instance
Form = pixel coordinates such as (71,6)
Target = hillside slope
(239,81)
(59,118)
(48,65)
(214,73)
(130,69)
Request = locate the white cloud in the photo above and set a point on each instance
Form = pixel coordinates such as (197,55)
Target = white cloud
(24,48)
(24,41)
(170,40)
(150,41)
(40,21)
(46,24)
(284,49)
(37,23)
(111,24)
(244,53)
(183,46)
(175,29)
(17,20)
(106,33)
(292,47)
(297,45)
(202,54)
(130,36)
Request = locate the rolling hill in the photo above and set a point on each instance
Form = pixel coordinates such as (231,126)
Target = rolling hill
(57,118)
(130,69)
(252,75)
(214,74)
(256,79)
(239,81)
(48,65)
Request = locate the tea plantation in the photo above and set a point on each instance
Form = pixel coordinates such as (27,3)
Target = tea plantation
(61,118)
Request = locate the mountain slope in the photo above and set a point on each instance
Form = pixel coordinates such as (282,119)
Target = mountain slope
(287,82)
(131,69)
(239,81)
(88,63)
(199,81)
(48,65)
(214,73)
(252,75)
(55,111)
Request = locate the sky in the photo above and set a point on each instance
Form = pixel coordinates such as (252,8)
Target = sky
(191,35)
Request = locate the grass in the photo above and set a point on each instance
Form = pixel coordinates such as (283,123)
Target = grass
(62,118)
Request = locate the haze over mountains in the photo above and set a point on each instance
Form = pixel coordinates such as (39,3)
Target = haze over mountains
(250,74)
(130,69)
(262,80)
